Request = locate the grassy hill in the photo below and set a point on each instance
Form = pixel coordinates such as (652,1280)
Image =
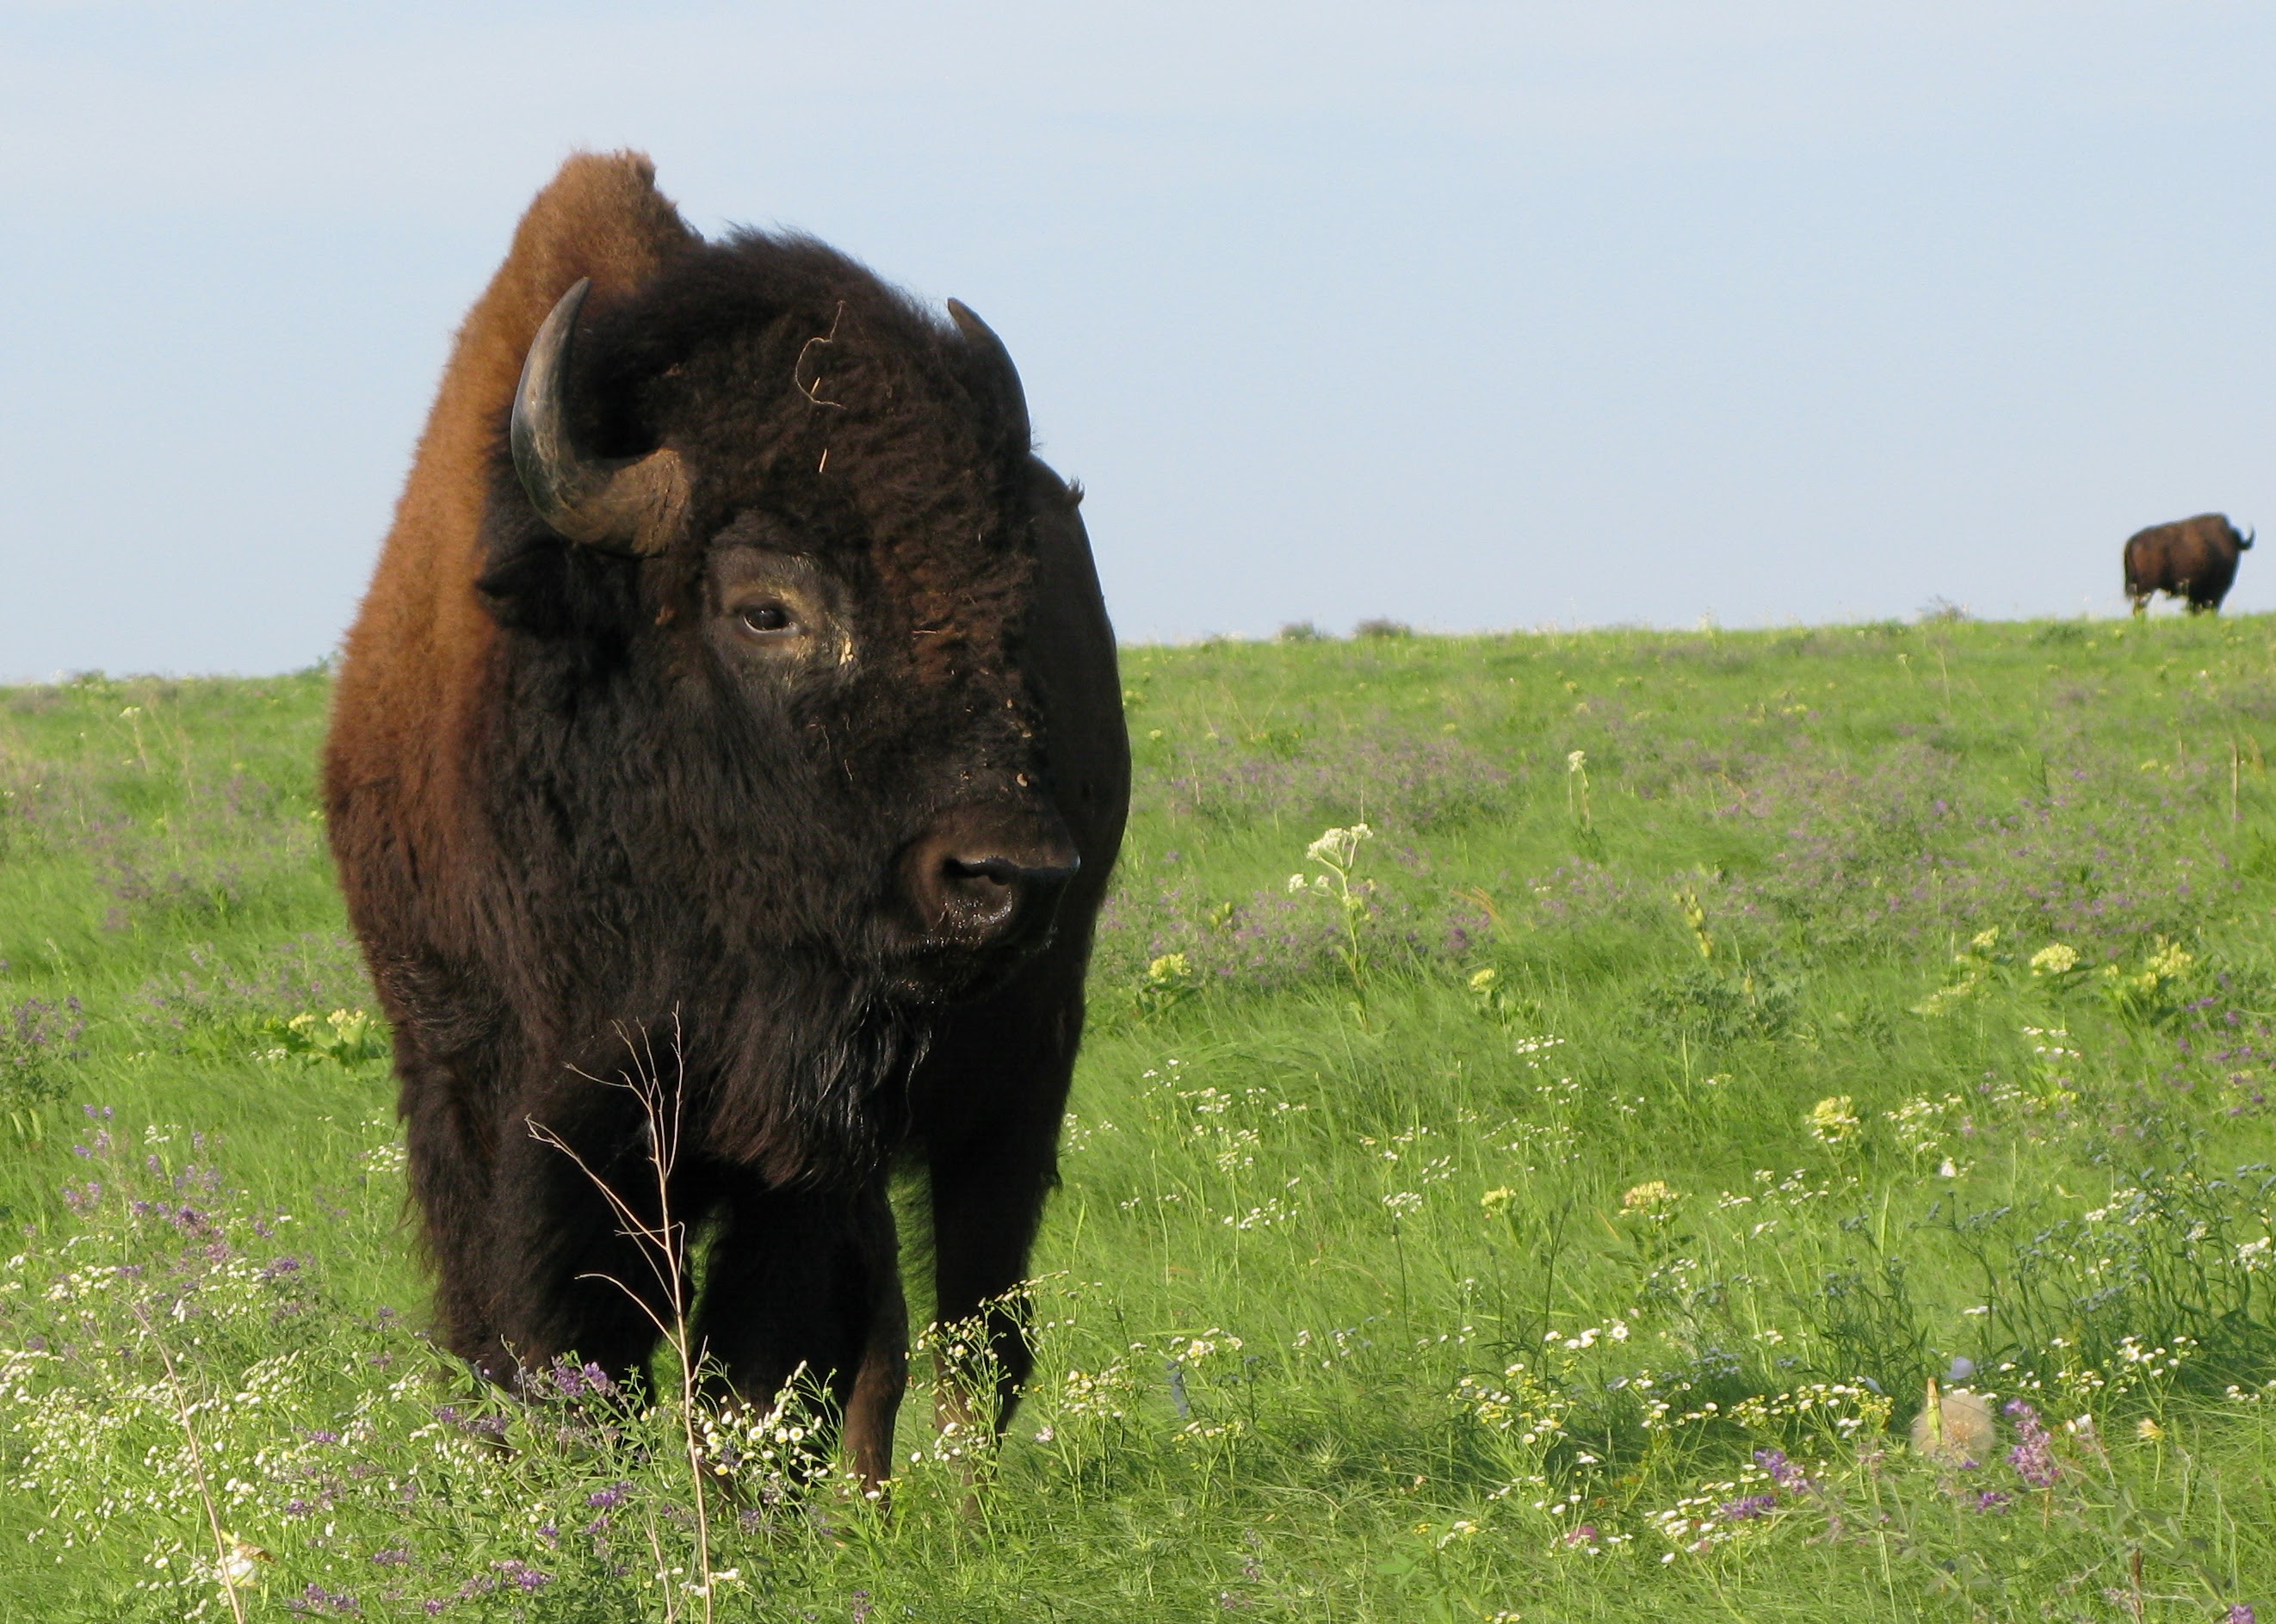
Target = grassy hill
(1554,1201)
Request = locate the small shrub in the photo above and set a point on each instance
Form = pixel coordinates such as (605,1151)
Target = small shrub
(1722,1006)
(37,1042)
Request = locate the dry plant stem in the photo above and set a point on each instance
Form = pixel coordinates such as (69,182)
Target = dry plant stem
(660,1245)
(222,1552)
(813,391)
(664,1574)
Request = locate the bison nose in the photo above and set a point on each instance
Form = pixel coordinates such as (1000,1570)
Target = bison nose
(982,876)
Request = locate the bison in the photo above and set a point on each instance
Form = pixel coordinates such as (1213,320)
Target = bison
(2192,559)
(733,699)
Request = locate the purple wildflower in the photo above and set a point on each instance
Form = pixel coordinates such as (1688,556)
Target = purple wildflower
(394,1556)
(610,1498)
(1784,1472)
(1585,1535)
(2240,1614)
(316,1598)
(1990,1499)
(1746,1509)
(2033,1457)
(323,1435)
(530,1579)
(861,1607)
(280,1268)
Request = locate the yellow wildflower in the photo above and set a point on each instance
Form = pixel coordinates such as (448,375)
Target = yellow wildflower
(2055,958)
(1833,1120)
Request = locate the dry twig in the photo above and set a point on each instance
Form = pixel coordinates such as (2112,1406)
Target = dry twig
(662,1245)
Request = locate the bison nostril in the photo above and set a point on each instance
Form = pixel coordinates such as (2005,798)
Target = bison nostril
(988,872)
(988,875)
(980,894)
(1009,872)
(986,893)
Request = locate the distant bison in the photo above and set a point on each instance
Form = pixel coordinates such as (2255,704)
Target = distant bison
(734,690)
(2192,558)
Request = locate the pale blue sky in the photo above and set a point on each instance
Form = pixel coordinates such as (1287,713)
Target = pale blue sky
(1492,315)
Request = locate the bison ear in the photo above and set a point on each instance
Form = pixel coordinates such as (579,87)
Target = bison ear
(1005,376)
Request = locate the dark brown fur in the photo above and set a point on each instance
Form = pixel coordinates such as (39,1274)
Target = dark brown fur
(2192,558)
(566,809)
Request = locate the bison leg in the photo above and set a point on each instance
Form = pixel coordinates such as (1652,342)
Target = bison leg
(988,1183)
(450,1180)
(985,1210)
(562,1274)
(989,1103)
(810,1282)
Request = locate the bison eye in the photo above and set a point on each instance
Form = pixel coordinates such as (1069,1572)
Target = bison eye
(768,620)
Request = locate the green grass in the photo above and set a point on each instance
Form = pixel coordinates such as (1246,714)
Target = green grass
(1675,1076)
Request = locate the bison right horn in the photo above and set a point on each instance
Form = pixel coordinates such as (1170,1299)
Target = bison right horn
(628,505)
(983,338)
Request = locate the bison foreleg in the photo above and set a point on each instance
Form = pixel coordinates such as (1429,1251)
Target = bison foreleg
(565,1271)
(986,1204)
(512,1226)
(808,1285)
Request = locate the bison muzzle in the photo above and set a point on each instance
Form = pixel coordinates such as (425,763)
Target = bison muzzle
(733,703)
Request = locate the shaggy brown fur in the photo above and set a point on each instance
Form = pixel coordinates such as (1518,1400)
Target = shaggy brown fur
(2192,559)
(578,796)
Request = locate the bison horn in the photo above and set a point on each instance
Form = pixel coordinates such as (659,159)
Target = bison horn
(983,338)
(629,504)
(2250,537)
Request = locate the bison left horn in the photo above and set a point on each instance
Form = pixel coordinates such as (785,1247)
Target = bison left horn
(628,505)
(983,338)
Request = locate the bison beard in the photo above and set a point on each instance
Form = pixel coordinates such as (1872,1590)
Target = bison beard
(732,704)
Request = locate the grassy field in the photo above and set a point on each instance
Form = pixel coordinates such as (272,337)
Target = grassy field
(1554,1202)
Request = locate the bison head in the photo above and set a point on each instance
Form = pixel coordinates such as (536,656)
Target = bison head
(764,539)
